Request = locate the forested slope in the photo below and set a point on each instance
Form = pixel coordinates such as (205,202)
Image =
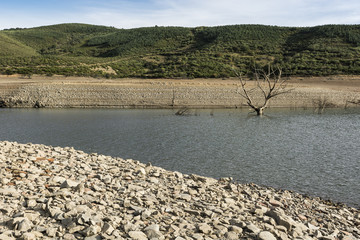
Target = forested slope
(177,52)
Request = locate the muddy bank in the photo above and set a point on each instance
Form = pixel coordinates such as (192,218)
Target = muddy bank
(62,92)
(62,193)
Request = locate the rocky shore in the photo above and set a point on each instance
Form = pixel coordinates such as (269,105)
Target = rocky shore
(62,193)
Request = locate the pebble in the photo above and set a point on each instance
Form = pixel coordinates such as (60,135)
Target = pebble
(138,235)
(63,193)
(265,235)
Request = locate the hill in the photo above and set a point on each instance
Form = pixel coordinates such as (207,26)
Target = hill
(174,52)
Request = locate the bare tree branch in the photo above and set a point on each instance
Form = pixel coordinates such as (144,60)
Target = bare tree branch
(354,101)
(321,103)
(269,83)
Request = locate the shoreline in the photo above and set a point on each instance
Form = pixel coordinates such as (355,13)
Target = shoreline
(80,92)
(53,192)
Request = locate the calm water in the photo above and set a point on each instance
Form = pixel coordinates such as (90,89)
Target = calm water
(297,150)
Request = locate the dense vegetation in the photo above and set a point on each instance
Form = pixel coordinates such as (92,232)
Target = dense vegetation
(172,52)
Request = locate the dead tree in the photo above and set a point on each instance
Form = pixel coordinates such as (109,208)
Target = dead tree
(183,112)
(268,84)
(354,101)
(321,103)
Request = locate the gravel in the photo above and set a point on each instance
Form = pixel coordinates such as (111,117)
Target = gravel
(61,193)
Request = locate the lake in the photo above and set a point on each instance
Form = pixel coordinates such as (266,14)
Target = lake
(315,154)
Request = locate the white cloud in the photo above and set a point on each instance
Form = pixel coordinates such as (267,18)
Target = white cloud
(190,13)
(214,12)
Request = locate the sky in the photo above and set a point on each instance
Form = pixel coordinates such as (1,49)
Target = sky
(186,13)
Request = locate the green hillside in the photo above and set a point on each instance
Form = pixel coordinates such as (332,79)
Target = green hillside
(12,47)
(98,51)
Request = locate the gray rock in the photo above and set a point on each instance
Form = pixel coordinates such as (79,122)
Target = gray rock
(107,228)
(197,236)
(24,225)
(69,184)
(29,236)
(236,229)
(75,229)
(51,232)
(68,223)
(153,231)
(137,235)
(5,236)
(31,216)
(265,235)
(92,230)
(185,197)
(282,219)
(231,236)
(56,213)
(69,236)
(253,228)
(95,237)
(205,228)
(129,227)
(30,203)
(9,191)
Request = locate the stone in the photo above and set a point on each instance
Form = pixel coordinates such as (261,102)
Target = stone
(180,238)
(281,219)
(9,191)
(236,229)
(4,236)
(151,234)
(58,179)
(92,230)
(137,235)
(107,228)
(332,236)
(185,197)
(231,236)
(153,180)
(129,227)
(69,184)
(191,211)
(253,228)
(220,229)
(95,237)
(205,228)
(56,213)
(24,225)
(31,216)
(197,236)
(153,231)
(75,229)
(29,236)
(265,235)
(30,203)
(69,236)
(51,232)
(68,222)
(40,229)
(275,203)
(281,228)
(85,217)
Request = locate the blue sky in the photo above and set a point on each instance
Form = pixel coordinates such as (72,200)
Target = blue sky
(188,13)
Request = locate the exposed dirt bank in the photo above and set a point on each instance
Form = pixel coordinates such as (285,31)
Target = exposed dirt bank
(59,92)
